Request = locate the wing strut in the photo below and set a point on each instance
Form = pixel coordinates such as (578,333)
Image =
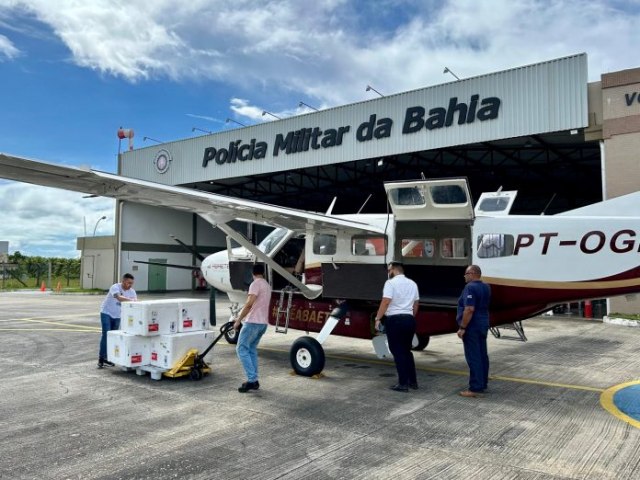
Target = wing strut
(309,291)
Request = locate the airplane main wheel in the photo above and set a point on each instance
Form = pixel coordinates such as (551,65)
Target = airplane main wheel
(307,356)
(231,335)
(423,341)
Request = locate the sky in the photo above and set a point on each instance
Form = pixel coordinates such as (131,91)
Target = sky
(72,72)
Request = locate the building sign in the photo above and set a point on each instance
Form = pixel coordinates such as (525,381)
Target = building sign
(417,120)
(629,98)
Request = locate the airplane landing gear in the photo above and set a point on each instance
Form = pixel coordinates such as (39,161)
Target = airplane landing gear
(307,356)
(231,335)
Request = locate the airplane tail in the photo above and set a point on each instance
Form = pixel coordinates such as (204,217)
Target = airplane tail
(624,206)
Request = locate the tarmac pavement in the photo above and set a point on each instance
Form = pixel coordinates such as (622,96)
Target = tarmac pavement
(62,418)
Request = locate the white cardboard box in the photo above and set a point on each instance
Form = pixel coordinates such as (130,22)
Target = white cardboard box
(194,315)
(150,317)
(127,350)
(167,350)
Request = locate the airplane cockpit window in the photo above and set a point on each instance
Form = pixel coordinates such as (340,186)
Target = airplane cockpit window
(407,196)
(368,245)
(270,241)
(448,194)
(324,244)
(493,245)
(454,248)
(418,248)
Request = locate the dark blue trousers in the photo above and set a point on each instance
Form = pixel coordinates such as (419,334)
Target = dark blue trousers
(400,330)
(475,352)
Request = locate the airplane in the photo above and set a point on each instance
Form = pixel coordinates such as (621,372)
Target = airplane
(327,271)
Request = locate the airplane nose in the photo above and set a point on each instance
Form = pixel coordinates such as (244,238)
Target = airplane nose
(215,269)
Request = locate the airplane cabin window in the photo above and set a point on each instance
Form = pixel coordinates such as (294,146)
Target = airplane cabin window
(448,194)
(494,204)
(418,248)
(368,245)
(410,196)
(454,248)
(324,244)
(493,245)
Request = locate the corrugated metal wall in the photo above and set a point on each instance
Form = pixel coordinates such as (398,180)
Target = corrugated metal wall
(540,98)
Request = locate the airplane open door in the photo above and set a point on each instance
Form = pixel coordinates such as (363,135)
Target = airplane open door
(433,220)
(445,199)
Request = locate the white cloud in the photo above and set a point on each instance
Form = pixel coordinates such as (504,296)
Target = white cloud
(46,221)
(7,49)
(324,50)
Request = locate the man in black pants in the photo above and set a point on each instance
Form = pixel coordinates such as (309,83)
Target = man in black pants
(400,301)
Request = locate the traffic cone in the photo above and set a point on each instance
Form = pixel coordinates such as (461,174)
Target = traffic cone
(59,287)
(43,287)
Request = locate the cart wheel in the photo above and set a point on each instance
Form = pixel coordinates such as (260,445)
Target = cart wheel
(231,335)
(423,341)
(307,356)
(196,374)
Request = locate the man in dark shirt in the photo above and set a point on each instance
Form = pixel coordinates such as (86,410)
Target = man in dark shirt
(473,320)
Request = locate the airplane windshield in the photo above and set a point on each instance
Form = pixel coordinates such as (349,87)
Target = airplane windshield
(270,241)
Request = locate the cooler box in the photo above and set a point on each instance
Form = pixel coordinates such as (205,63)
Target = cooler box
(194,315)
(150,317)
(127,350)
(166,350)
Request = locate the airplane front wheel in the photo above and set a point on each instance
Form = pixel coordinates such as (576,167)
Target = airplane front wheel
(307,356)
(423,341)
(231,335)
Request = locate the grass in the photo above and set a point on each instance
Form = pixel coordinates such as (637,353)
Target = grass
(626,316)
(13,284)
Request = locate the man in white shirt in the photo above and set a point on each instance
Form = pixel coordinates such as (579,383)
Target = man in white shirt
(110,312)
(400,302)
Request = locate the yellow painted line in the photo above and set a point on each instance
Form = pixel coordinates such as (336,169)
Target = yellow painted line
(606,400)
(48,322)
(47,330)
(46,317)
(546,384)
(449,371)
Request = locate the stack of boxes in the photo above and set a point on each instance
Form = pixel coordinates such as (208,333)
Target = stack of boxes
(158,333)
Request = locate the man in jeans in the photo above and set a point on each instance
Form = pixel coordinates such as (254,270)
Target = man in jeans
(255,314)
(110,312)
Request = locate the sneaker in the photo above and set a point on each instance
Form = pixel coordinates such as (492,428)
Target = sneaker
(107,363)
(413,386)
(100,363)
(246,386)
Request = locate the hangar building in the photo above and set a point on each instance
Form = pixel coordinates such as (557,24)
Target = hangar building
(541,129)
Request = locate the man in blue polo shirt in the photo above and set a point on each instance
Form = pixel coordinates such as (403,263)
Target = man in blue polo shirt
(473,322)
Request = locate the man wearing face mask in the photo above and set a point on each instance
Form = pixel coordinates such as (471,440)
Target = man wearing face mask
(400,301)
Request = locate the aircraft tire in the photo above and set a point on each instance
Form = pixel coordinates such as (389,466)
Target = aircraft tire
(231,335)
(307,356)
(423,341)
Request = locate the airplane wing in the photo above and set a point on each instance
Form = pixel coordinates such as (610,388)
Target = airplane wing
(217,209)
